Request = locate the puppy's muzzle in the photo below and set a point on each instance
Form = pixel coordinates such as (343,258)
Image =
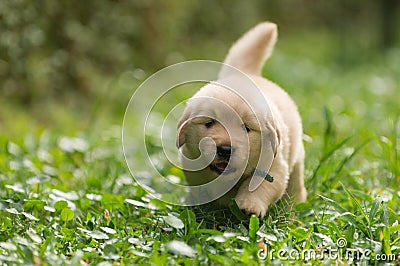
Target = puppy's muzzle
(224,151)
(220,164)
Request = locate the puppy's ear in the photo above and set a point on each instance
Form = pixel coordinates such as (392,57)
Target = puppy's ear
(182,124)
(275,134)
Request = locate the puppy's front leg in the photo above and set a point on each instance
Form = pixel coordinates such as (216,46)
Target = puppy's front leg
(258,201)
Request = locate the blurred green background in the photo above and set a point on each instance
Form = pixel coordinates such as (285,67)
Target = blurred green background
(73,65)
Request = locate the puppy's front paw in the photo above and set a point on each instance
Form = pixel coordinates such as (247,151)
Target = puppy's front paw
(251,204)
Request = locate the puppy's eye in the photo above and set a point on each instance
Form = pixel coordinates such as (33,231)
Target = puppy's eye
(246,128)
(209,124)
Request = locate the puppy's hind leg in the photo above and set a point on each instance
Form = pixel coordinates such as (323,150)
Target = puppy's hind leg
(296,187)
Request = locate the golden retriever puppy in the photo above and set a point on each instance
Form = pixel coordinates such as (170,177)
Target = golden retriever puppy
(247,130)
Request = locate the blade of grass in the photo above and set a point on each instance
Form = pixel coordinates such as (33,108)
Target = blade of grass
(385,213)
(253,227)
(236,211)
(312,180)
(360,209)
(396,166)
(375,208)
(348,158)
(386,241)
(329,131)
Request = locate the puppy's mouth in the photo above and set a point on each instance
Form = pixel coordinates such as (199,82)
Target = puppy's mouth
(221,168)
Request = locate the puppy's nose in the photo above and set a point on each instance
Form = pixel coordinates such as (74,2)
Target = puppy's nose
(224,151)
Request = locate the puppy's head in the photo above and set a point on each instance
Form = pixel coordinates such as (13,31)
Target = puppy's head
(235,132)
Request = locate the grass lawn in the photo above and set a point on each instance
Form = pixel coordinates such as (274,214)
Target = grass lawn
(67,197)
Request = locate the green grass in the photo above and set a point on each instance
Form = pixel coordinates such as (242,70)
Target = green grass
(66,195)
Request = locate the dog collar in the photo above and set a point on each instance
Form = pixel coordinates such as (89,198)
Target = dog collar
(264,175)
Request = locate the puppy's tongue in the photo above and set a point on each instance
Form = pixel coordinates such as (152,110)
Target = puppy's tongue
(221,166)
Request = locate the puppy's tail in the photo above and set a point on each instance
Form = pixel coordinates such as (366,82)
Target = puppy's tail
(249,53)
